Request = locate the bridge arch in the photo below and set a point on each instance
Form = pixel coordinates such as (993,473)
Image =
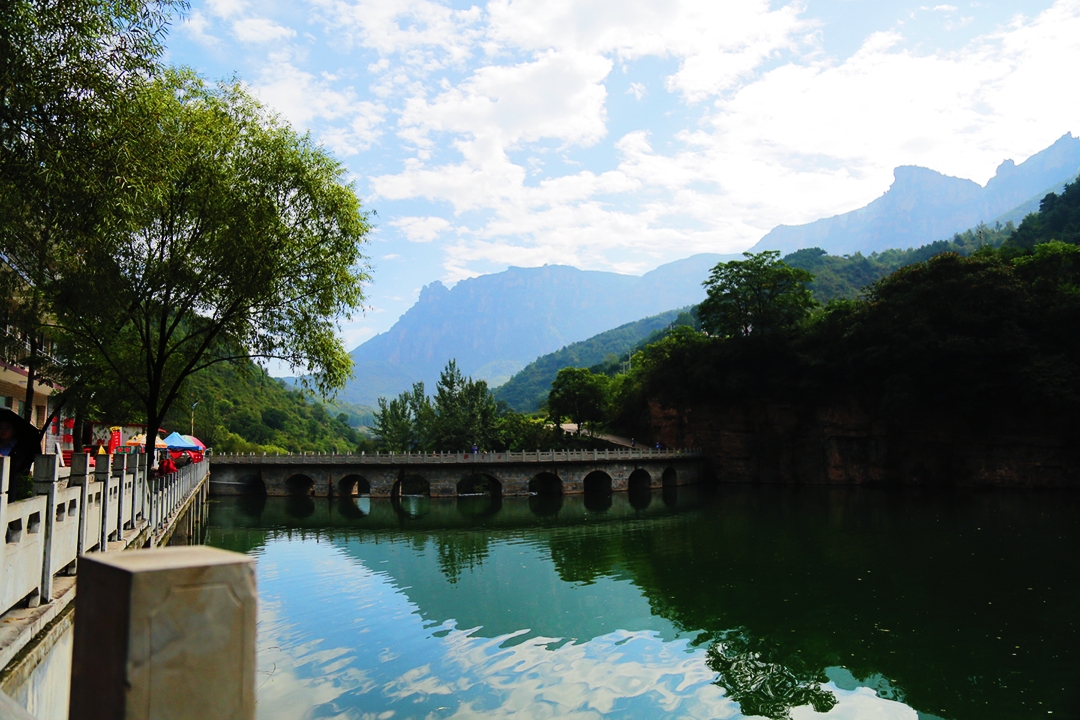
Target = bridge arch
(479,484)
(639,489)
(597,481)
(411,486)
(353,485)
(300,485)
(597,487)
(545,483)
(640,479)
(252,484)
(670,478)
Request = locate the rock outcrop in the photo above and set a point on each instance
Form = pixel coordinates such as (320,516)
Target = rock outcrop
(843,444)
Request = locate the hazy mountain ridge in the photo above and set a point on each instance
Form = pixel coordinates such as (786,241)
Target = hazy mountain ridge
(528,387)
(494,325)
(923,204)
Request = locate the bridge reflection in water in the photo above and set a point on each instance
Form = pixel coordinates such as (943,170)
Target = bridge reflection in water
(423,512)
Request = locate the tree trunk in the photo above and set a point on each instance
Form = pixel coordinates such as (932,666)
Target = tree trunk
(31,365)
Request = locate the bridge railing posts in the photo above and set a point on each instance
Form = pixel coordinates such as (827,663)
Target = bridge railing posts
(103,475)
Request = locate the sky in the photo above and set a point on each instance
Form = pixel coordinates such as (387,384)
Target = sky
(620,135)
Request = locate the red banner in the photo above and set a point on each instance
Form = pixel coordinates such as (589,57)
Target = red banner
(114,439)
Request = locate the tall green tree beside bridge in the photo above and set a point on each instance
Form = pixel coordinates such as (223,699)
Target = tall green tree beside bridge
(231,237)
(64,68)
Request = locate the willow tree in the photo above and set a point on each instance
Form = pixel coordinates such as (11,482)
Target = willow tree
(63,66)
(228,236)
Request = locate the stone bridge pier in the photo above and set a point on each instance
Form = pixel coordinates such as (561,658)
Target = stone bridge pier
(454,474)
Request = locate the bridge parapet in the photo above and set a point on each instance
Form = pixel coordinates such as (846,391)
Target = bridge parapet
(454,474)
(425,458)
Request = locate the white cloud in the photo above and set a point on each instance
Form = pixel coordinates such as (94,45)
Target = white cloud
(197,27)
(557,96)
(421,229)
(225,8)
(501,113)
(303,99)
(260,30)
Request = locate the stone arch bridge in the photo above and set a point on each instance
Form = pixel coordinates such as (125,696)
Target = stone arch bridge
(454,474)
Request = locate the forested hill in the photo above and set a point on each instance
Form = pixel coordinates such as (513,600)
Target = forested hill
(835,277)
(922,203)
(526,390)
(243,409)
(956,370)
(846,276)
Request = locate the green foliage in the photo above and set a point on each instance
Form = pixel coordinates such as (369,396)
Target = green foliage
(1058,219)
(991,336)
(64,67)
(578,395)
(760,294)
(229,237)
(462,413)
(846,277)
(242,409)
(527,390)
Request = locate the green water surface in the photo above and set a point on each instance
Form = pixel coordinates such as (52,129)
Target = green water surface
(745,601)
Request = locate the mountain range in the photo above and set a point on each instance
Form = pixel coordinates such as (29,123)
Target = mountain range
(923,205)
(494,325)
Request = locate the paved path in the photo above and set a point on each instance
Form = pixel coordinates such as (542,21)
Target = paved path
(616,439)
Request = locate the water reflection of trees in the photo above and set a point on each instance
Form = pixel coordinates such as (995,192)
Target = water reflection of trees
(762,685)
(460,551)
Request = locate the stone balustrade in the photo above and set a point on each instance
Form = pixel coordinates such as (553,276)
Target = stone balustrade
(117,501)
(428,458)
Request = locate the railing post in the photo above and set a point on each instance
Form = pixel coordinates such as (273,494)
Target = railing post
(142,475)
(103,474)
(120,473)
(165,633)
(46,473)
(80,476)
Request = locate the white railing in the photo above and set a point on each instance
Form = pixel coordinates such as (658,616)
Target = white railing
(169,495)
(425,458)
(113,502)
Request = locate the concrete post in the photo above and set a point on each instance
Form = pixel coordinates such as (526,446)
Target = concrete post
(120,468)
(165,634)
(46,473)
(103,474)
(80,477)
(133,464)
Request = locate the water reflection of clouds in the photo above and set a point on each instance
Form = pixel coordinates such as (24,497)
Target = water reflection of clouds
(337,639)
(294,676)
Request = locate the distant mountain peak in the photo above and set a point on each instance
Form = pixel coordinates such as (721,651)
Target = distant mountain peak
(923,205)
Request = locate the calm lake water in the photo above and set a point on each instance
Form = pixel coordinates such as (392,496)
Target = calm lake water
(746,601)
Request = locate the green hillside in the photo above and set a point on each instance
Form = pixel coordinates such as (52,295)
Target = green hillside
(242,409)
(844,277)
(526,390)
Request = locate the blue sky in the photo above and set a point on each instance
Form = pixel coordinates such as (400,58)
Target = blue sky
(623,134)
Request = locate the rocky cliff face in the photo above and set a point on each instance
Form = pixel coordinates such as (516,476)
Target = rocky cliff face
(922,206)
(842,444)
